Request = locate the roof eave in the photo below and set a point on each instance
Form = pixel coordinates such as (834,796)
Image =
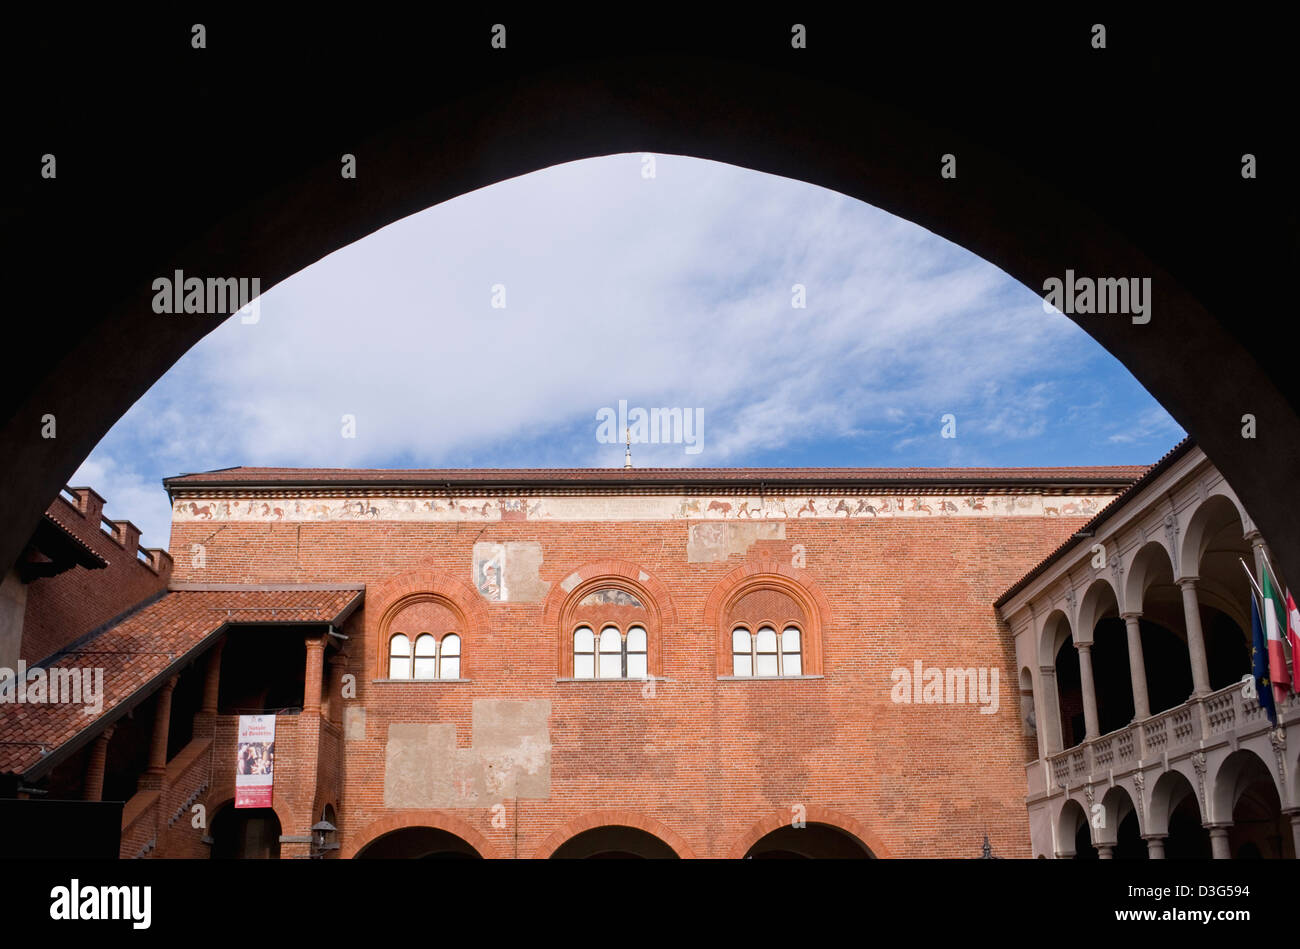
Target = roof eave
(1089,529)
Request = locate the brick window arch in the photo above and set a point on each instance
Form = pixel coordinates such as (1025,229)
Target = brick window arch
(421,639)
(608,624)
(769,620)
(435,602)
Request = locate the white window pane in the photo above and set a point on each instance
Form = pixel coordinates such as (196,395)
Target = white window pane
(636,639)
(636,665)
(584,640)
(766,665)
(426,645)
(399,668)
(740,641)
(399,645)
(767,639)
(584,667)
(451,645)
(610,640)
(791,664)
(424,667)
(451,667)
(742,665)
(611,666)
(790,640)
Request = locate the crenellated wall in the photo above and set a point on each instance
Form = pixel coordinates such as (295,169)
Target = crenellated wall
(63,608)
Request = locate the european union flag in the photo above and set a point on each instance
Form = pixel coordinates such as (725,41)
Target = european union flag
(1259,662)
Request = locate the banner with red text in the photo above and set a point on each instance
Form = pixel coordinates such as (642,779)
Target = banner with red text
(255,761)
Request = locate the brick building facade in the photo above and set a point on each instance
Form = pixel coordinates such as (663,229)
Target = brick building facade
(693,663)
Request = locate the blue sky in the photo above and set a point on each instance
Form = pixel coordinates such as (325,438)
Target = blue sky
(671,291)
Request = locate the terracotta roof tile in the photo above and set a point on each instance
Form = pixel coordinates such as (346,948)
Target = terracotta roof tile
(141,648)
(91,557)
(1105,513)
(251,477)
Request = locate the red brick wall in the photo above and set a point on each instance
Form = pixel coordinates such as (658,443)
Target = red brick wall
(63,608)
(709,761)
(187,773)
(294,787)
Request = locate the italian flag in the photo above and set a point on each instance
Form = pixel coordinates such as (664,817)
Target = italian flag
(1293,637)
(1273,617)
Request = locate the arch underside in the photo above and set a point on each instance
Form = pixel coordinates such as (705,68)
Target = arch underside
(427,129)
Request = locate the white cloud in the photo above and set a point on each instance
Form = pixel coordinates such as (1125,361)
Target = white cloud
(673,291)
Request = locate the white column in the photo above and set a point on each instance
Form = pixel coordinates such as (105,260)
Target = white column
(1050,723)
(1137,667)
(1293,818)
(1219,842)
(1195,637)
(1091,725)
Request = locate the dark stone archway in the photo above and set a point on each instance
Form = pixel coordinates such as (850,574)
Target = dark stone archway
(245,833)
(614,843)
(225,162)
(811,842)
(418,843)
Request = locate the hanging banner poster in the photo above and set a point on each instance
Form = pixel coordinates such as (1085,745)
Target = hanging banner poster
(255,761)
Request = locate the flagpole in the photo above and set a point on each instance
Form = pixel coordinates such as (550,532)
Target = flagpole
(1286,626)
(1268,564)
(1253,583)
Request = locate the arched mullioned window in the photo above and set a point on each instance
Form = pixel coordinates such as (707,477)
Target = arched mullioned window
(611,628)
(617,654)
(426,624)
(764,653)
(769,624)
(432,659)
(449,657)
(399,657)
(426,658)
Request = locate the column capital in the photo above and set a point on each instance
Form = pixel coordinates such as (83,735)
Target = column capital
(169,686)
(1155,846)
(1185,582)
(107,734)
(1131,615)
(1219,847)
(316,641)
